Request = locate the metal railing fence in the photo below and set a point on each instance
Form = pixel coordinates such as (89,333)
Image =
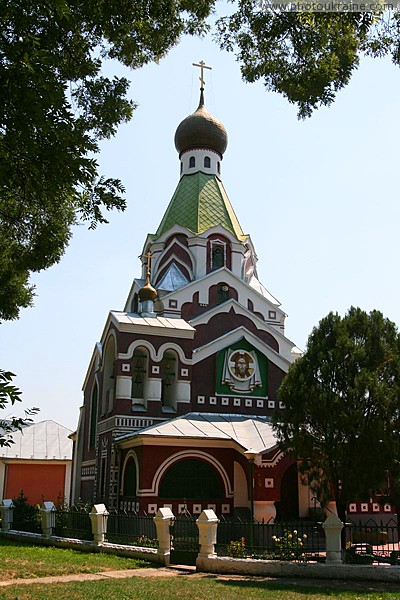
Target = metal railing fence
(132,530)
(295,541)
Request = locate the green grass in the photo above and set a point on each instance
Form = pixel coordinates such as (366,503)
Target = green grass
(179,588)
(26,560)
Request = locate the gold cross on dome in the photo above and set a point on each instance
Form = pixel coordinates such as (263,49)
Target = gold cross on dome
(149,257)
(202,66)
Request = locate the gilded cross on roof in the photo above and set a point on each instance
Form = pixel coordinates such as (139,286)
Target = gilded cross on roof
(148,256)
(202,66)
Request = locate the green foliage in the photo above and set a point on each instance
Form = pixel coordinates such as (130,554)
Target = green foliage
(307,57)
(289,546)
(9,394)
(342,407)
(237,549)
(26,516)
(55,107)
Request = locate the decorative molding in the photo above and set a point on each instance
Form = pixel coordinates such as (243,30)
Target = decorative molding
(190,453)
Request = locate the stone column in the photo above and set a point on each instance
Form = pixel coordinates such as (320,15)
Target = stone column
(333,527)
(163,520)
(48,516)
(207,524)
(6,509)
(124,387)
(98,517)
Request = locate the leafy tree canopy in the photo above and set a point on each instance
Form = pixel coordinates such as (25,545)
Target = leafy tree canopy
(55,107)
(307,57)
(9,394)
(342,407)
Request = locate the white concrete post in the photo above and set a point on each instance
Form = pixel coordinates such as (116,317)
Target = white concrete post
(333,527)
(207,524)
(6,509)
(48,516)
(163,520)
(98,517)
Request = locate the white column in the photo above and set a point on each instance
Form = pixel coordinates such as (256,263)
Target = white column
(98,517)
(6,510)
(48,517)
(182,391)
(124,387)
(198,247)
(152,389)
(333,528)
(163,520)
(207,524)
(265,509)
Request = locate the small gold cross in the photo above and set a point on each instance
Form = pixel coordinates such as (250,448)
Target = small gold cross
(202,66)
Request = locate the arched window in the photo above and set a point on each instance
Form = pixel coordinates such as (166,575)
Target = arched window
(192,479)
(181,167)
(219,167)
(207,162)
(135,304)
(168,382)
(192,162)
(93,417)
(139,375)
(129,485)
(217,257)
(108,377)
(222,293)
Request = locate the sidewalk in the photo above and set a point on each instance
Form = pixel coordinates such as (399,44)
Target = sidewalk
(185,571)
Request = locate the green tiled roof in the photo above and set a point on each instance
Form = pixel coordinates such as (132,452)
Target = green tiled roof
(199,203)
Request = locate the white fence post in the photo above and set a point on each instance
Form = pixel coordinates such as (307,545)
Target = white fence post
(163,520)
(6,509)
(98,518)
(207,524)
(333,528)
(48,517)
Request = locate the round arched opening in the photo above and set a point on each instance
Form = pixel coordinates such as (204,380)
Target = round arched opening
(191,479)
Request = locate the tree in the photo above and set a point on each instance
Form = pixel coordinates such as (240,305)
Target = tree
(342,407)
(55,107)
(9,394)
(307,57)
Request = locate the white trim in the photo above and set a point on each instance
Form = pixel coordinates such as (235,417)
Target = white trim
(155,356)
(153,491)
(204,318)
(132,347)
(131,454)
(168,262)
(234,336)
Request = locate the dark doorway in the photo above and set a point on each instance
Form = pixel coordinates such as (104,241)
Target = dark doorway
(289,502)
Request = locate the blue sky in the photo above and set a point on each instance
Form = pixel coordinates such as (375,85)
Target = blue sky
(318,197)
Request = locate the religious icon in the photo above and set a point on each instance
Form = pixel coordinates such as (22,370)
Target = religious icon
(241,365)
(241,371)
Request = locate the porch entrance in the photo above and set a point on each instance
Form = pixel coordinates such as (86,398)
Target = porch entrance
(184,540)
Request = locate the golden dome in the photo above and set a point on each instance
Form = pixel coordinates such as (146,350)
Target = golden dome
(201,130)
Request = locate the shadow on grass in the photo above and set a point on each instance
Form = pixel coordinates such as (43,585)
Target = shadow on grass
(333,588)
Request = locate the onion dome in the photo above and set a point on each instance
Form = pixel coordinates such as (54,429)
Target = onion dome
(147,292)
(201,130)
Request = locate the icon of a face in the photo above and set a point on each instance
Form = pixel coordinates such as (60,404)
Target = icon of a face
(241,367)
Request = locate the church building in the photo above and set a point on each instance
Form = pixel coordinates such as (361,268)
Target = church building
(182,384)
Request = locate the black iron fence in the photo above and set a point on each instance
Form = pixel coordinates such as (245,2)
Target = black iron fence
(27,520)
(131,530)
(372,542)
(294,541)
(73,523)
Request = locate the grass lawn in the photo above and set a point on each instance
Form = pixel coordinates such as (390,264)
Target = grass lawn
(25,560)
(178,588)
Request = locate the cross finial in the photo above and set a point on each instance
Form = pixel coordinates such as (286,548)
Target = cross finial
(149,257)
(202,66)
